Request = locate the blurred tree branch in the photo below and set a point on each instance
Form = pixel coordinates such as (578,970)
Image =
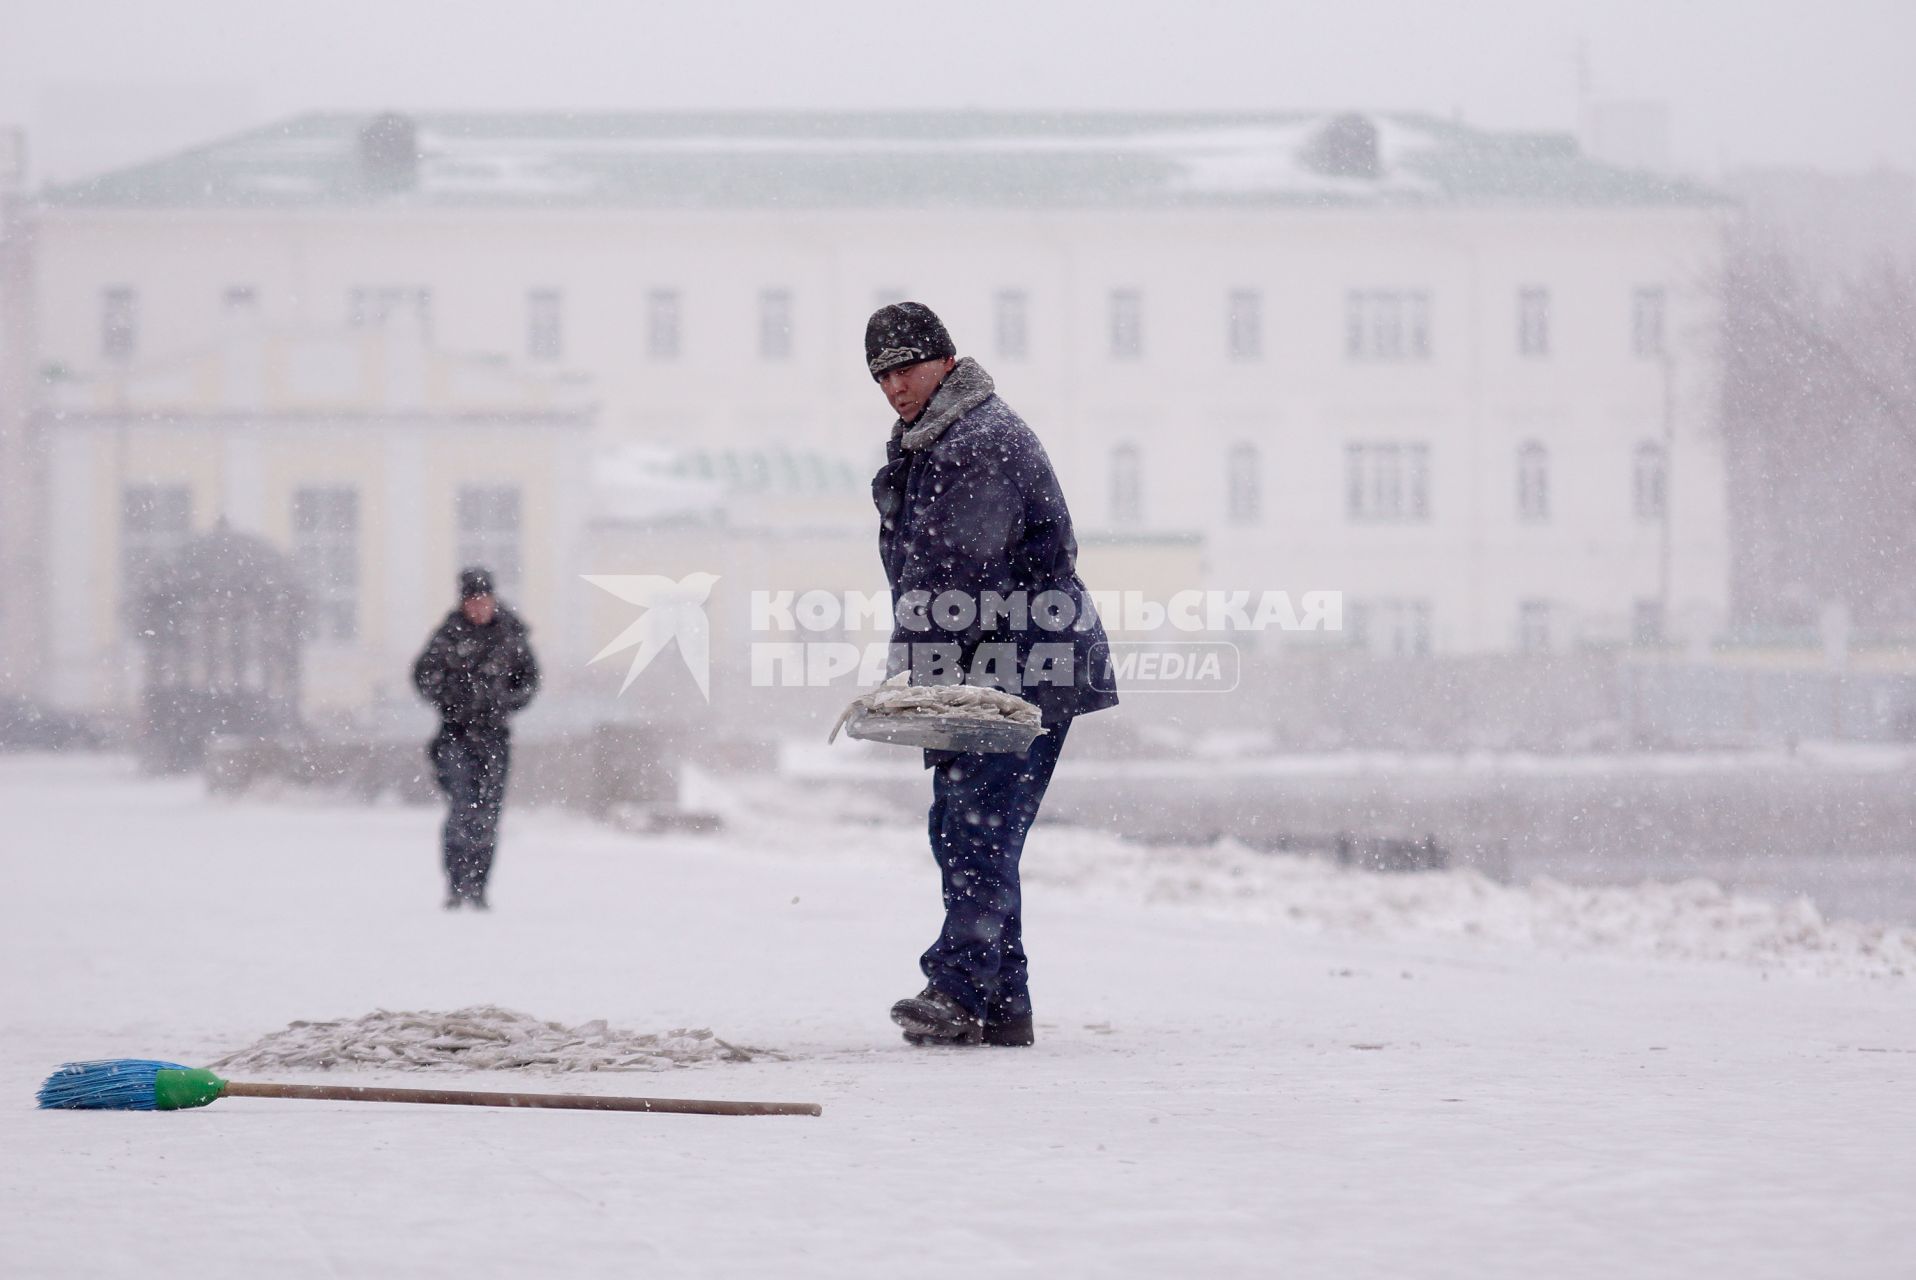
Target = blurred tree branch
(1819,418)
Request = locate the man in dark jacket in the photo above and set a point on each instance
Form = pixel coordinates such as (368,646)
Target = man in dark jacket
(971,514)
(478,670)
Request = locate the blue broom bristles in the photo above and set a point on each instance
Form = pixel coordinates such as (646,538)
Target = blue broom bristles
(113,1084)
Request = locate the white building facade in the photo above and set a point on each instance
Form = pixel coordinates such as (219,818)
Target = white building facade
(1465,378)
(378,468)
(20,511)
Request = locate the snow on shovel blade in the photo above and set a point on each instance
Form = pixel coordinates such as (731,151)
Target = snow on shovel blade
(943,733)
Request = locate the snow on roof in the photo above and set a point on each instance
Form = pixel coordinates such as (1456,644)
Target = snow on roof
(804,160)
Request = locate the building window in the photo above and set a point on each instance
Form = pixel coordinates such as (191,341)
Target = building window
(662,339)
(1646,322)
(119,324)
(1388,628)
(1244,324)
(1127,324)
(155,521)
(1533,322)
(378,306)
(1245,496)
(1127,486)
(1650,483)
(326,551)
(1387,482)
(1533,626)
(1010,311)
(1387,324)
(1533,482)
(545,332)
(487,518)
(1646,621)
(775,324)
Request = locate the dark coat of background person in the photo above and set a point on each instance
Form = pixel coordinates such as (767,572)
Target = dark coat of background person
(478,676)
(979,509)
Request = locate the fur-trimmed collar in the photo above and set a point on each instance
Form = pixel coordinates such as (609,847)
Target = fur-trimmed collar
(965,388)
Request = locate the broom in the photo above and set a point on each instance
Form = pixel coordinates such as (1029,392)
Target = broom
(140,1084)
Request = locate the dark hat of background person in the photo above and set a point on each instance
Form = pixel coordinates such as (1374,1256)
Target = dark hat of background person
(904,333)
(474,582)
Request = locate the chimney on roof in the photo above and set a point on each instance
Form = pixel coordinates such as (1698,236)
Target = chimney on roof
(389,152)
(1346,147)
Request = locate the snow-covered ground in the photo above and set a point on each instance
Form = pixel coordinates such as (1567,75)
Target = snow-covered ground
(1247,1065)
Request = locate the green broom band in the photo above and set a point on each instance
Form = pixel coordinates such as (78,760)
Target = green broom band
(180,1088)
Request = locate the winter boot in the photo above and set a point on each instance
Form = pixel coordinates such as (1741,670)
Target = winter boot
(1011,1033)
(932,1017)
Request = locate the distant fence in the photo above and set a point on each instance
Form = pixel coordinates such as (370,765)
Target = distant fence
(1692,704)
(596,770)
(1598,701)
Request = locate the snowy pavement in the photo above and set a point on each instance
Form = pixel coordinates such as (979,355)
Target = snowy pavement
(1244,1068)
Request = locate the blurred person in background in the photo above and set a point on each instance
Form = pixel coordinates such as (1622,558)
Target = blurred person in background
(478,670)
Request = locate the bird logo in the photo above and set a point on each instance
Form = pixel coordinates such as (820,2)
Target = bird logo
(673,611)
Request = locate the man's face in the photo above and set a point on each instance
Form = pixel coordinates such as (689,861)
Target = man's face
(909,388)
(478,610)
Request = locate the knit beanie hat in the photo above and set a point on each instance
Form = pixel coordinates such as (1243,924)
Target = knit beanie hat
(904,333)
(474,582)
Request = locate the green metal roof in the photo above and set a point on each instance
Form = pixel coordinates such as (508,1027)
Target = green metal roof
(760,160)
(777,470)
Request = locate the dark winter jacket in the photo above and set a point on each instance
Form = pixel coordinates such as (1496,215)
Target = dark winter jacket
(967,502)
(477,676)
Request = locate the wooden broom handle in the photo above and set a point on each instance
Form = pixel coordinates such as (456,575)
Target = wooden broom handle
(469,1098)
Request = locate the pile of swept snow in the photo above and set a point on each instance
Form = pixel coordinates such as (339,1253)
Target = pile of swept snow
(1688,919)
(480,1038)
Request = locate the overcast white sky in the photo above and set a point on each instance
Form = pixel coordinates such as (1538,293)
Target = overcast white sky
(1747,81)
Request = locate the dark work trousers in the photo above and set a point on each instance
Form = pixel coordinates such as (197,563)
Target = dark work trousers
(472,773)
(981,808)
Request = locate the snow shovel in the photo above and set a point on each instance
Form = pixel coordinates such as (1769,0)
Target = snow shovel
(951,717)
